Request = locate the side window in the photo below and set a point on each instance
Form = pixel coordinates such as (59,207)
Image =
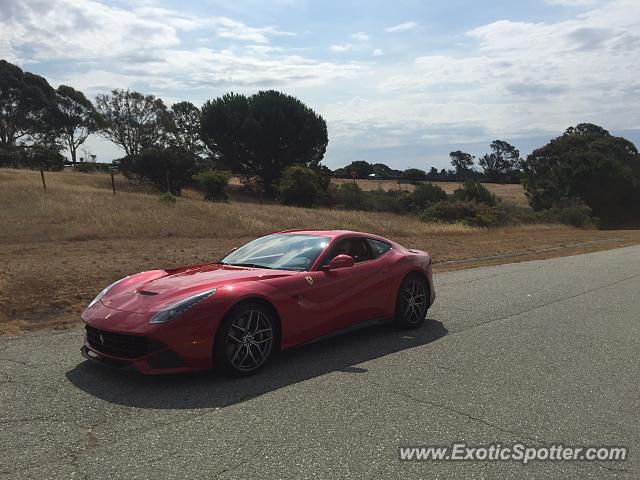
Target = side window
(378,248)
(358,248)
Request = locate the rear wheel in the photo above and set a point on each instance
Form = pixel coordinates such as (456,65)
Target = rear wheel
(245,339)
(412,301)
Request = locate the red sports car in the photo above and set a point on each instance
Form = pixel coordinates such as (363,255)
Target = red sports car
(275,292)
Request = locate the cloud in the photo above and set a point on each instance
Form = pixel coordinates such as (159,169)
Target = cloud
(103,47)
(360,37)
(377,52)
(341,48)
(87,29)
(402,27)
(539,90)
(79,30)
(201,70)
(514,79)
(590,38)
(228,28)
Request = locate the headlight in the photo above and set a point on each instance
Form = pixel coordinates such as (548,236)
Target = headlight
(179,308)
(102,294)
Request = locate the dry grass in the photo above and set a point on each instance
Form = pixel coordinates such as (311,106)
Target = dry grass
(509,193)
(79,206)
(61,246)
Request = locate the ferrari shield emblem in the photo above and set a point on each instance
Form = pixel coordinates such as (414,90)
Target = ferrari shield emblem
(309,279)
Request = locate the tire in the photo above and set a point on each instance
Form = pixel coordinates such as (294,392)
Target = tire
(412,301)
(246,340)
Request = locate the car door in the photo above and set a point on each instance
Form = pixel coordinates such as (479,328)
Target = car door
(338,298)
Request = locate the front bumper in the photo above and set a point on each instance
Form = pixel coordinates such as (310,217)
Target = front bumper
(159,361)
(127,340)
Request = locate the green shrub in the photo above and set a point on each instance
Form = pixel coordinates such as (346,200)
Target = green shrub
(570,212)
(470,213)
(350,196)
(92,167)
(394,201)
(213,183)
(414,175)
(474,192)
(85,167)
(302,186)
(167,199)
(33,157)
(165,169)
(426,194)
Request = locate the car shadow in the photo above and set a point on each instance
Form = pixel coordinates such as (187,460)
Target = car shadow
(210,390)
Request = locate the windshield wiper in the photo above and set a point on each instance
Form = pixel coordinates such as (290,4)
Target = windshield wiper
(250,265)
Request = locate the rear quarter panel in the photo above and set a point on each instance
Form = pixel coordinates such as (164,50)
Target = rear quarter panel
(406,261)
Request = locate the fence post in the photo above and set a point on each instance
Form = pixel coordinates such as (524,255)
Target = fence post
(113,182)
(44,184)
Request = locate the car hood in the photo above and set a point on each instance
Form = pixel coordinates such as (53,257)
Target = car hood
(154,291)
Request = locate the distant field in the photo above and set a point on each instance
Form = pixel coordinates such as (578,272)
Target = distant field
(60,247)
(509,193)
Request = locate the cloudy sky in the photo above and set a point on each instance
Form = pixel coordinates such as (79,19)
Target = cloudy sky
(400,81)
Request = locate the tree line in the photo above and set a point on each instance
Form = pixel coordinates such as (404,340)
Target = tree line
(501,165)
(586,175)
(275,144)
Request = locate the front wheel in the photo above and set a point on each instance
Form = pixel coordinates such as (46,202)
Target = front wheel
(245,340)
(412,301)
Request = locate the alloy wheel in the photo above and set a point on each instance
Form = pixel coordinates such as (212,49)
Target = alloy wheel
(249,340)
(415,301)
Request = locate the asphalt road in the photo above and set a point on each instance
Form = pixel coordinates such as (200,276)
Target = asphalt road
(539,352)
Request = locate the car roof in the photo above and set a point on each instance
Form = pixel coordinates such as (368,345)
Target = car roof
(333,233)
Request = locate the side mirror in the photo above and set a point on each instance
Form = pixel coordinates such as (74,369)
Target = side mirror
(340,261)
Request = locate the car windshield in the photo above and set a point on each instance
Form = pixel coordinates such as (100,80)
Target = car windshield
(284,251)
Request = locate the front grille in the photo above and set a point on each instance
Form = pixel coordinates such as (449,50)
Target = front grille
(120,344)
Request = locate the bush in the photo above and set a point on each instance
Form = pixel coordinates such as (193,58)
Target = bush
(571,212)
(426,194)
(350,196)
(167,199)
(474,192)
(394,201)
(213,183)
(302,186)
(470,213)
(414,175)
(85,167)
(166,170)
(32,157)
